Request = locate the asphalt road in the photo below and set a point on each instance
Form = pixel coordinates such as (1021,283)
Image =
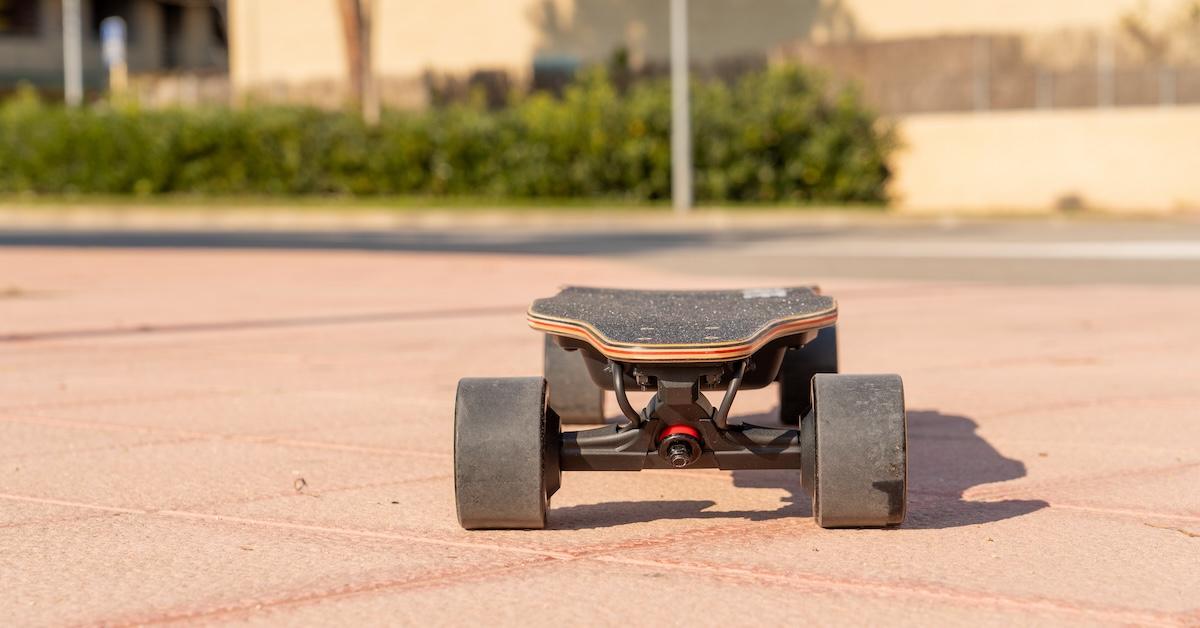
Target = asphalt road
(1054,251)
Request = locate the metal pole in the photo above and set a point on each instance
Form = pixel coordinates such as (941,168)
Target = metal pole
(681,133)
(72,54)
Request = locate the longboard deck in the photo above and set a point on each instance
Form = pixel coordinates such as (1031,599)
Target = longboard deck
(681,326)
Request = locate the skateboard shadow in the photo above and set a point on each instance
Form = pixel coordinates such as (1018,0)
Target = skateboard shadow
(946,458)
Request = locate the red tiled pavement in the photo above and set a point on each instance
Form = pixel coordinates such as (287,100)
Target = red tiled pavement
(264,438)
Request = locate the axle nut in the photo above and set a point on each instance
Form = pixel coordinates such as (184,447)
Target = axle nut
(679,454)
(679,445)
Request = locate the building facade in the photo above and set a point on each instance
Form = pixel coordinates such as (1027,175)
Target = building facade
(187,35)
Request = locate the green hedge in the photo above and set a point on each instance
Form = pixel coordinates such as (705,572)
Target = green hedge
(775,136)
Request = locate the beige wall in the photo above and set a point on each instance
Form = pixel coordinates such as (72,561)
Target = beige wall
(300,41)
(1140,159)
(453,36)
(274,41)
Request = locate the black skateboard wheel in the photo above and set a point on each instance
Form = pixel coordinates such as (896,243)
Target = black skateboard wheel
(506,461)
(796,373)
(573,394)
(854,451)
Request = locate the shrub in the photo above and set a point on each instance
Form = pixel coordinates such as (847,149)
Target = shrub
(775,136)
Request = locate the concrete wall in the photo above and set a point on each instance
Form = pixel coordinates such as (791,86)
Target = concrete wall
(1129,159)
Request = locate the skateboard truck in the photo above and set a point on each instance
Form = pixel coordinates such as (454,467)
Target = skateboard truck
(682,424)
(846,433)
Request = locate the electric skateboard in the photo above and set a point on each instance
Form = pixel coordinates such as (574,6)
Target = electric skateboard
(847,433)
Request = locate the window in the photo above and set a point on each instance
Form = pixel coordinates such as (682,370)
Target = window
(19,17)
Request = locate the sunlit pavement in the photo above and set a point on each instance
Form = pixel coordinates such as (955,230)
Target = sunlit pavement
(263,435)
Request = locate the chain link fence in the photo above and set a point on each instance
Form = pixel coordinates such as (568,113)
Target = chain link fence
(999,72)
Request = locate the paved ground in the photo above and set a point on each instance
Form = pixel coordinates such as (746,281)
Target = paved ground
(262,435)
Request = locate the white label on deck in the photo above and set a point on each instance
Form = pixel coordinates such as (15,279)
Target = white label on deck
(764,293)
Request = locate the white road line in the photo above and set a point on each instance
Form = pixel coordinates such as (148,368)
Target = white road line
(1111,250)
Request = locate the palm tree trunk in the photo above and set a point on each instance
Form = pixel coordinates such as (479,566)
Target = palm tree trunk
(356,29)
(351,13)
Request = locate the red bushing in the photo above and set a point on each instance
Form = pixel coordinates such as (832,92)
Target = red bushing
(672,430)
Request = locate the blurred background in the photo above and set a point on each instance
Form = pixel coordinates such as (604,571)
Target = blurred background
(950,106)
